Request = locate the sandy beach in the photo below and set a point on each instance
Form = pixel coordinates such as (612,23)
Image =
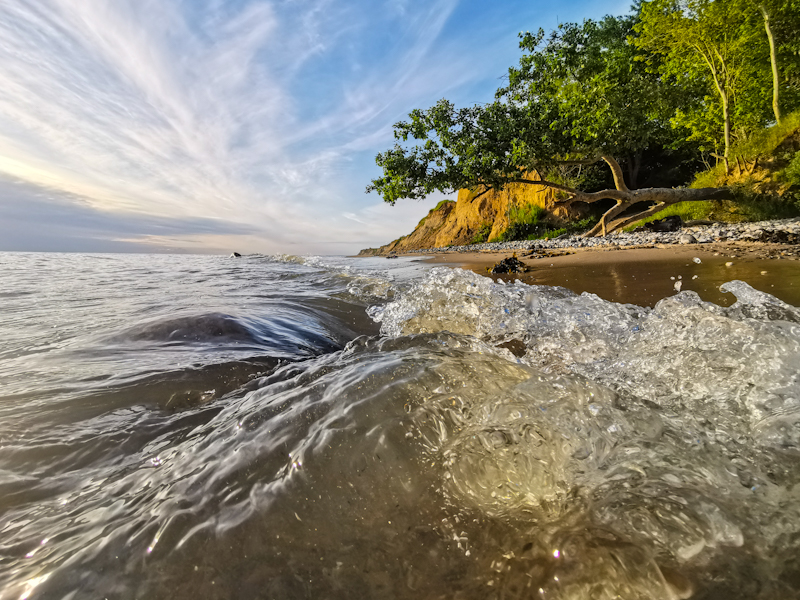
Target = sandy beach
(645,275)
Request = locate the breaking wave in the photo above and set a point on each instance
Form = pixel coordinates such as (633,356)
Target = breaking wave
(493,441)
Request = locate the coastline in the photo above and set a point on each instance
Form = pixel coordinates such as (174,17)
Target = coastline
(645,274)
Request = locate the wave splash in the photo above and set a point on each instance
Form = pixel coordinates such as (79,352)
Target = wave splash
(495,441)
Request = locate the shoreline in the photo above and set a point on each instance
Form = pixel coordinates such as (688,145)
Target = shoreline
(645,274)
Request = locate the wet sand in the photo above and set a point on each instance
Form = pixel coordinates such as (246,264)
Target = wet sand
(645,275)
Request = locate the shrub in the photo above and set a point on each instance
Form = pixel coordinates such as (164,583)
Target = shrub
(523,222)
(791,174)
(482,235)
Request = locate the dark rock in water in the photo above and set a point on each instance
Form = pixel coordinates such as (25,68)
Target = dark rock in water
(236,255)
(687,238)
(509,265)
(672,223)
(391,255)
(211,327)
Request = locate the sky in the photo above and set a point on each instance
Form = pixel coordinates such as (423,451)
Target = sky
(232,125)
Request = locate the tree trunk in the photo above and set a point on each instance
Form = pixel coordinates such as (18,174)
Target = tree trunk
(634,162)
(661,198)
(626,198)
(637,163)
(721,77)
(773,59)
(726,116)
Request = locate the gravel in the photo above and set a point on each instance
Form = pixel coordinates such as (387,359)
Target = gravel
(783,231)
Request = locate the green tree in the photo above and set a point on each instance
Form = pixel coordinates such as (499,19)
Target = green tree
(780,23)
(577,98)
(604,97)
(707,43)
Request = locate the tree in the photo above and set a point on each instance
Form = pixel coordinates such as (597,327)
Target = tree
(576,98)
(773,59)
(494,145)
(706,40)
(605,98)
(780,20)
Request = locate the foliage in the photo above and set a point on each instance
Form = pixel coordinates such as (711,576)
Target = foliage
(688,211)
(791,174)
(579,94)
(523,222)
(645,92)
(762,143)
(482,234)
(747,206)
(441,204)
(707,45)
(593,88)
(524,227)
(750,206)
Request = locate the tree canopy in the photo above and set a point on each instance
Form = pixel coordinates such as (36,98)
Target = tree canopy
(607,91)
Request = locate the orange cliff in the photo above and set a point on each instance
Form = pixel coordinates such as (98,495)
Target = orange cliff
(458,223)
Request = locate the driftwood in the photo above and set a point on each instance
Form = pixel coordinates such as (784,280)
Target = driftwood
(657,198)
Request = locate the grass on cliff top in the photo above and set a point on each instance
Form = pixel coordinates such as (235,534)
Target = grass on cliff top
(434,209)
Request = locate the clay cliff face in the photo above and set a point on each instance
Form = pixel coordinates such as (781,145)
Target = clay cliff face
(457,223)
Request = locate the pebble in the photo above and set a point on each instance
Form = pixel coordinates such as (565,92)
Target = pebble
(731,232)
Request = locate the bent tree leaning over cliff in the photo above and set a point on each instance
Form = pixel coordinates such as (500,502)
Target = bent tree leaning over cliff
(578,98)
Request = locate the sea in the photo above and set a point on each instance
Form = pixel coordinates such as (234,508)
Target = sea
(192,427)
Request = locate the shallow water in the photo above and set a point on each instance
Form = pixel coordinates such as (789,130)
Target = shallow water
(645,282)
(284,427)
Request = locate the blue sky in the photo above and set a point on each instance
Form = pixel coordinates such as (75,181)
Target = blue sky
(220,125)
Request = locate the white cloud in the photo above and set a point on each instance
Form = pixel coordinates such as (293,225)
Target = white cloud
(261,113)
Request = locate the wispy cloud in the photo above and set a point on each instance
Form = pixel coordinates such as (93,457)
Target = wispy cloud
(253,113)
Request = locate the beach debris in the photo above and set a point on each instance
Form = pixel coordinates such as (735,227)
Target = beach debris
(687,238)
(677,286)
(728,264)
(695,276)
(697,260)
(672,223)
(510,264)
(763,272)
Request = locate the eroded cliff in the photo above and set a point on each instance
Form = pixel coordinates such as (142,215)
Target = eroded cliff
(473,215)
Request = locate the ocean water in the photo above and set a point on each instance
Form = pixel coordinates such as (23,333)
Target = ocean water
(321,427)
